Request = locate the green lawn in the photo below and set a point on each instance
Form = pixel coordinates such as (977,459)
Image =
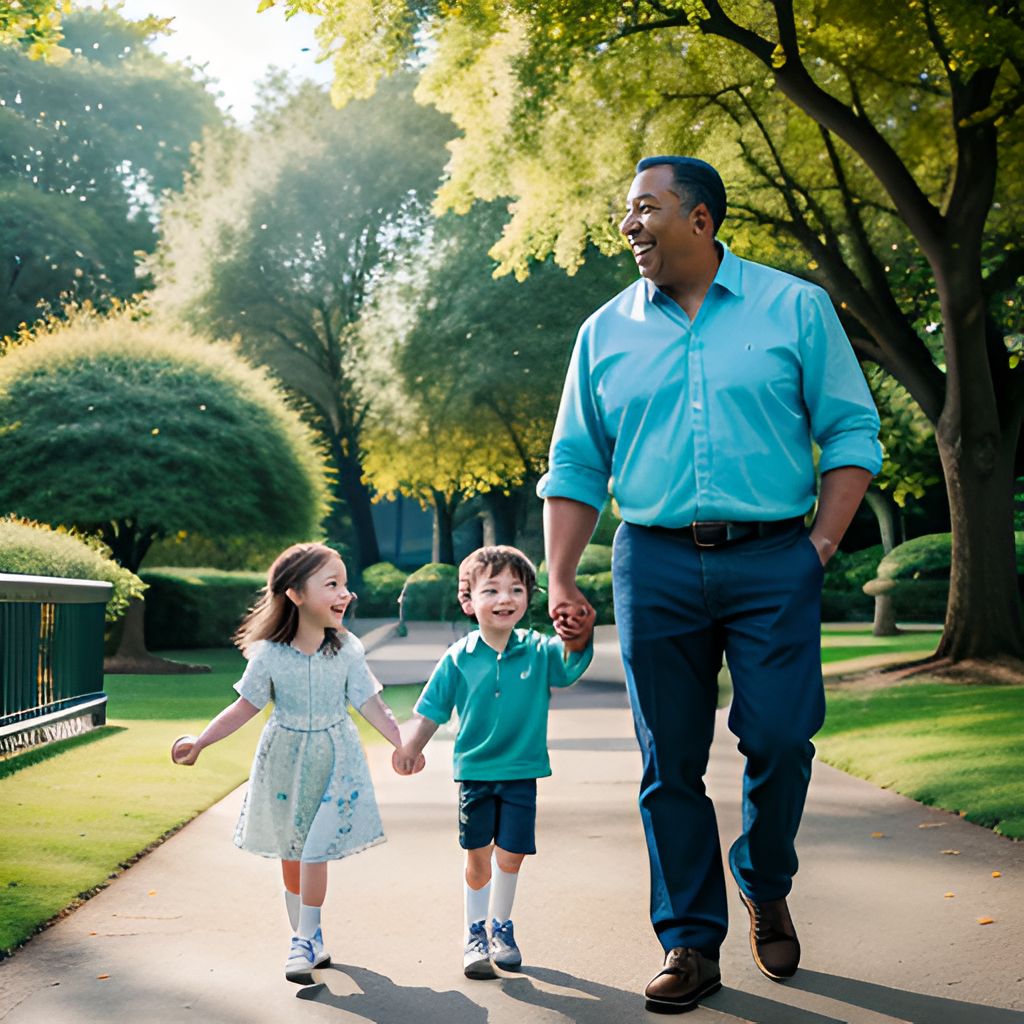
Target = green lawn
(951,746)
(74,820)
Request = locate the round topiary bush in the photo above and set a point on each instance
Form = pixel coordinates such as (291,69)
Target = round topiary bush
(379,590)
(34,549)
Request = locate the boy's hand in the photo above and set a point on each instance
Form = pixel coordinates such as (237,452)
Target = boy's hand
(405,764)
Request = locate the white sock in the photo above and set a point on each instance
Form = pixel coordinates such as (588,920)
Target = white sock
(309,921)
(503,892)
(476,903)
(291,902)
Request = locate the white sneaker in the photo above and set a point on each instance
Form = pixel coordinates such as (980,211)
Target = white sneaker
(476,961)
(304,957)
(504,951)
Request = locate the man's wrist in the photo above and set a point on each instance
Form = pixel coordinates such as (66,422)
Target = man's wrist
(825,547)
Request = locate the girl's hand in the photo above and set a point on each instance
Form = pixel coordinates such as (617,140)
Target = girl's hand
(405,764)
(185,750)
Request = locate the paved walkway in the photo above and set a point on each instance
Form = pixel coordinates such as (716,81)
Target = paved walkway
(196,930)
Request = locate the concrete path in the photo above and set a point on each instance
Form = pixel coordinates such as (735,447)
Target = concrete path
(196,930)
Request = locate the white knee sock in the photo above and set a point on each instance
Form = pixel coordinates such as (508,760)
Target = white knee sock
(503,892)
(476,903)
(309,921)
(291,902)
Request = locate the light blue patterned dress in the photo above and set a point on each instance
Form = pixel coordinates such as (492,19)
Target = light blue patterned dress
(310,796)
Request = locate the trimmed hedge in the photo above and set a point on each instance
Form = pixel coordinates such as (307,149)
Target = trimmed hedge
(431,593)
(198,607)
(35,549)
(916,575)
(379,590)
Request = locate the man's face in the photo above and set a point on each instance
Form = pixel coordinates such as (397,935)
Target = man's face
(662,238)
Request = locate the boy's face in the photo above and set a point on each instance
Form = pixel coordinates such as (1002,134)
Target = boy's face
(498,602)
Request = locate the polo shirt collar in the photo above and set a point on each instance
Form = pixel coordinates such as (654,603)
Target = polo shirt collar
(729,276)
(476,637)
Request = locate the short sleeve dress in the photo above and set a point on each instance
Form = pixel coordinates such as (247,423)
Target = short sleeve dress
(310,796)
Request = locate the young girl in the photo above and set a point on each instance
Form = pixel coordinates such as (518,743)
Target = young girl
(310,799)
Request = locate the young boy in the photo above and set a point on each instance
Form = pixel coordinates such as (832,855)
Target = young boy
(498,680)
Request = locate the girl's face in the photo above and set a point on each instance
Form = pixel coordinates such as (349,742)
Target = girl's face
(324,596)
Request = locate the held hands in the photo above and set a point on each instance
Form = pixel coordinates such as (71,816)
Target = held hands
(405,763)
(572,616)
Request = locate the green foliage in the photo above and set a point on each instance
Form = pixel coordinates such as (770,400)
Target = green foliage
(607,524)
(200,607)
(88,145)
(431,593)
(597,588)
(35,26)
(379,590)
(35,549)
(848,571)
(252,554)
(134,431)
(845,606)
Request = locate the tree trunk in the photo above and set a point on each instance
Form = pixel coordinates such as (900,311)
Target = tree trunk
(356,495)
(882,505)
(983,617)
(502,519)
(443,549)
(133,658)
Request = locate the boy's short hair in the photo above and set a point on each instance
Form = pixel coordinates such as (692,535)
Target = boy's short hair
(492,560)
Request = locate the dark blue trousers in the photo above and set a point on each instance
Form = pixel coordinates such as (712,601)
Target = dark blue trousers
(678,608)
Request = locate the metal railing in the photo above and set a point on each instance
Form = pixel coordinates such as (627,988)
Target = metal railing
(51,657)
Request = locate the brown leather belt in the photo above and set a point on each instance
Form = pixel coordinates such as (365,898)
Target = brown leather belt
(719,533)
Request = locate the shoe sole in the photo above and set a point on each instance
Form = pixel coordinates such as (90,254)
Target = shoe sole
(479,970)
(682,1006)
(771,975)
(305,976)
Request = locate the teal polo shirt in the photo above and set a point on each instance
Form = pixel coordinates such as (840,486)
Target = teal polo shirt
(502,702)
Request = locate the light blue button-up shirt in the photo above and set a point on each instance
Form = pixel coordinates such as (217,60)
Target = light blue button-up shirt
(712,419)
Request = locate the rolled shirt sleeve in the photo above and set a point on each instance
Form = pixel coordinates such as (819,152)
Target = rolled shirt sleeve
(581,453)
(844,420)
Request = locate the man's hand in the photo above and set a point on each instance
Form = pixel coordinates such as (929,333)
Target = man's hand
(825,547)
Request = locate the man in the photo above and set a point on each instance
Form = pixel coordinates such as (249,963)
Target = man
(693,396)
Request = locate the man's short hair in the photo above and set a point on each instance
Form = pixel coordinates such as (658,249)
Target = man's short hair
(698,183)
(491,560)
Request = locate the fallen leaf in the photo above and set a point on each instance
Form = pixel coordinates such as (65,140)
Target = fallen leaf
(877,835)
(952,853)
(102,977)
(997,874)
(985,920)
(152,892)
(949,895)
(92,933)
(931,824)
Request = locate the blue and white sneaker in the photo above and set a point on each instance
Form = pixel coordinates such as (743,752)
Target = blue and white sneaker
(504,951)
(476,962)
(304,957)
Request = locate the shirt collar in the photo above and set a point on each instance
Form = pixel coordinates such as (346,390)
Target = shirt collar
(517,639)
(729,276)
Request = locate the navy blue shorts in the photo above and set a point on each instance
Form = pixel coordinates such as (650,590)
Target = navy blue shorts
(501,812)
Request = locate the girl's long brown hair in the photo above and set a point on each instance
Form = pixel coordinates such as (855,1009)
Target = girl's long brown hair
(274,616)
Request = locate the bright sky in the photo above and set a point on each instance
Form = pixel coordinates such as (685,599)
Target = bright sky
(236,44)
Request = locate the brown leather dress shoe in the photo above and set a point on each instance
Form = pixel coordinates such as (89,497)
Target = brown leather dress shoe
(773,938)
(687,977)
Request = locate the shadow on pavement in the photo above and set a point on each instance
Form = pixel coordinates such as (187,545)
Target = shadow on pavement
(383,1001)
(911,1007)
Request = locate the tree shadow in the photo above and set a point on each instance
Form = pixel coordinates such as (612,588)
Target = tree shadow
(911,1007)
(383,1001)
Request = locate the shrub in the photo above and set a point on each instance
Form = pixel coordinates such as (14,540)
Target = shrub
(33,549)
(190,607)
(597,588)
(595,558)
(379,589)
(845,606)
(431,593)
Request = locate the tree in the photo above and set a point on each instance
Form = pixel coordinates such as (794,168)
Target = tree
(283,232)
(491,352)
(34,25)
(135,432)
(87,146)
(877,149)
